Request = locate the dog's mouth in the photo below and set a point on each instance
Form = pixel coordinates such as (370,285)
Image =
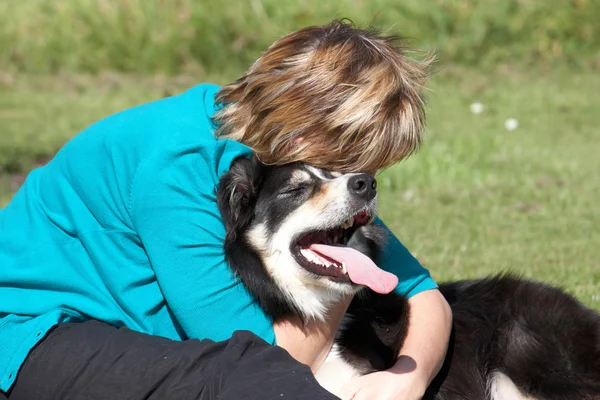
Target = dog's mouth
(325,253)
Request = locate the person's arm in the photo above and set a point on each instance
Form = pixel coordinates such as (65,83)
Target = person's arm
(311,342)
(174,211)
(429,332)
(425,346)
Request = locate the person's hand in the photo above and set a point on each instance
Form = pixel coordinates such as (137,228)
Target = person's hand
(399,383)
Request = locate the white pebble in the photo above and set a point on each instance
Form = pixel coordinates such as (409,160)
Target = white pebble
(477,108)
(511,124)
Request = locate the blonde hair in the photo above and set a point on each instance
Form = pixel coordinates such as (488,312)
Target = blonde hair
(332,96)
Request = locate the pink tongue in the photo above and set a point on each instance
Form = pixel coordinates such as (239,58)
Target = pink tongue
(361,269)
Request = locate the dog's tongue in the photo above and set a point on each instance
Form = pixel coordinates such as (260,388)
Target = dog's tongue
(361,269)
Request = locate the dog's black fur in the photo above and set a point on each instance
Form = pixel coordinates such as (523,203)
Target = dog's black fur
(541,338)
(239,202)
(545,341)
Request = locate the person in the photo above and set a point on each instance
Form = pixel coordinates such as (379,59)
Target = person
(113,279)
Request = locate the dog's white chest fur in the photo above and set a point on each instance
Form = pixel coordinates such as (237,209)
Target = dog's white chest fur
(335,372)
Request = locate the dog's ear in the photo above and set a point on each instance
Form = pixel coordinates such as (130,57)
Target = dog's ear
(237,194)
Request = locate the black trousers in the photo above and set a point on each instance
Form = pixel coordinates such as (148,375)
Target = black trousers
(95,361)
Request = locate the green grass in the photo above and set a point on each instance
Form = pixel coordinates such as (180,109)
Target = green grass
(480,199)
(477,199)
(175,36)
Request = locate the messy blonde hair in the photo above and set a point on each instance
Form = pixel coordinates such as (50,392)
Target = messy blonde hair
(332,96)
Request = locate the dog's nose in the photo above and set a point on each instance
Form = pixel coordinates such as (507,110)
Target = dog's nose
(363,185)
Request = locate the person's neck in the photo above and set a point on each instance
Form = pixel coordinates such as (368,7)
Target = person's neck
(311,342)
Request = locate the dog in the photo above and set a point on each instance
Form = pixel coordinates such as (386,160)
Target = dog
(301,238)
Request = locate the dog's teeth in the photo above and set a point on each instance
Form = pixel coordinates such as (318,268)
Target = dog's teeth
(344,270)
(348,223)
(307,254)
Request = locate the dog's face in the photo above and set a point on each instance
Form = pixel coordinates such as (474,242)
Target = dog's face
(305,225)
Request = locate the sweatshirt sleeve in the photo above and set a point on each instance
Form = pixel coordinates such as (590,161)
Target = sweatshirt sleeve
(413,278)
(174,211)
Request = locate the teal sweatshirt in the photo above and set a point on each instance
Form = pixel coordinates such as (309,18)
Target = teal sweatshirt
(122,226)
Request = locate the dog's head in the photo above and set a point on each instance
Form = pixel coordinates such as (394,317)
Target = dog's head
(301,237)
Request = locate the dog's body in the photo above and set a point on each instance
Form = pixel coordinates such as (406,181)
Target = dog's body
(290,235)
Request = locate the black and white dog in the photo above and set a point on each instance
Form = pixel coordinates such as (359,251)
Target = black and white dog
(293,233)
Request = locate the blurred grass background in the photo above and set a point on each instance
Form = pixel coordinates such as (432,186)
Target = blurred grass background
(172,36)
(476,200)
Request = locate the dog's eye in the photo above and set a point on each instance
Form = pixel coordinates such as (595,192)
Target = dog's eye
(294,190)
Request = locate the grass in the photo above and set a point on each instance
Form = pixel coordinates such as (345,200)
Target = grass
(45,36)
(478,199)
